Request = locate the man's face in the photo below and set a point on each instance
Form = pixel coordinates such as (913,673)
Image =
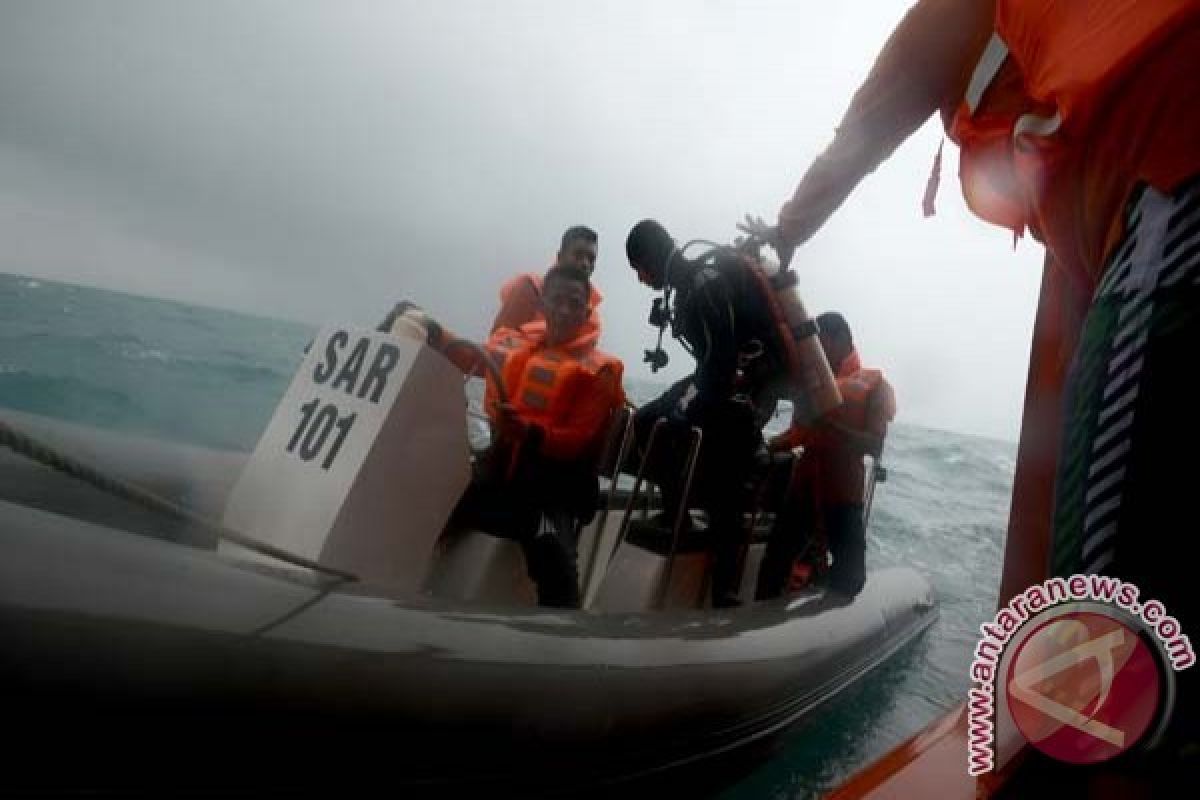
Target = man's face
(579,253)
(646,277)
(835,348)
(565,305)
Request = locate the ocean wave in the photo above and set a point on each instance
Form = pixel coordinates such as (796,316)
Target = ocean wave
(116,338)
(210,418)
(109,350)
(198,322)
(242,373)
(240,370)
(68,397)
(14,339)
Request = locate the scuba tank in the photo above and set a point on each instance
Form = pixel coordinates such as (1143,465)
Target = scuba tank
(814,391)
(812,387)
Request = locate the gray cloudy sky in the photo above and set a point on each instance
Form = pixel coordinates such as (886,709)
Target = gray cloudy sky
(320,160)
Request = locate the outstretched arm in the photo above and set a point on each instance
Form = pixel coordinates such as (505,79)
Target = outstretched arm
(409,319)
(925,65)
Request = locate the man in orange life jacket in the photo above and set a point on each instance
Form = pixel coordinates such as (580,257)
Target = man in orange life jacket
(537,484)
(520,296)
(829,479)
(1078,122)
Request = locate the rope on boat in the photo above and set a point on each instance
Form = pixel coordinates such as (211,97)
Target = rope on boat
(25,445)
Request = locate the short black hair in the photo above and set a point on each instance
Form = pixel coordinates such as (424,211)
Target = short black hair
(578,232)
(565,272)
(835,325)
(649,245)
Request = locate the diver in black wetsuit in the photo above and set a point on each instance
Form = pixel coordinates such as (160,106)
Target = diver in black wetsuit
(720,316)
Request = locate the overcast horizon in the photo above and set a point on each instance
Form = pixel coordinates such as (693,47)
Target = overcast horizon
(319,162)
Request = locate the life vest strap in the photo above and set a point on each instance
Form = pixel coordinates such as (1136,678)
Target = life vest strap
(985,71)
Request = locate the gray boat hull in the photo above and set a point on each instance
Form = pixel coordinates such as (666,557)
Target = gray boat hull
(135,662)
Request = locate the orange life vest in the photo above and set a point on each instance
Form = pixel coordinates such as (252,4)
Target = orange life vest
(544,383)
(842,477)
(521,298)
(1042,106)
(835,465)
(834,469)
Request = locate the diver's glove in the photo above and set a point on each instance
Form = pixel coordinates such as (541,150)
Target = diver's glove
(393,315)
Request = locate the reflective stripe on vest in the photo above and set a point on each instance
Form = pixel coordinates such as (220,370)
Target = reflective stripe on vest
(534,400)
(501,350)
(993,58)
(538,384)
(543,383)
(985,71)
(1071,52)
(542,375)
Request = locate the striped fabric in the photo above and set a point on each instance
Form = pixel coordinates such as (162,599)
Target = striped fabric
(1148,287)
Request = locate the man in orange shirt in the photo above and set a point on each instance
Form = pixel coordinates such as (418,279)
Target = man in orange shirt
(520,297)
(1077,122)
(537,483)
(827,489)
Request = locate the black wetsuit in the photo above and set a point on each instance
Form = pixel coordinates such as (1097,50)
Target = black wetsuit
(721,316)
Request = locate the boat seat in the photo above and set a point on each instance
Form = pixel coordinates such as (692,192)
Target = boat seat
(653,536)
(474,566)
(632,580)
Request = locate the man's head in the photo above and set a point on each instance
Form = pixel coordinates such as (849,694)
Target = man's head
(836,340)
(565,293)
(649,247)
(579,249)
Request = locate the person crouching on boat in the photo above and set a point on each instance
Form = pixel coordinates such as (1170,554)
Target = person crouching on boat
(521,295)
(722,319)
(827,485)
(537,484)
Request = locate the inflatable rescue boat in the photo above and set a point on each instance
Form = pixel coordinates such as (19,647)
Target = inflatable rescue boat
(179,618)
